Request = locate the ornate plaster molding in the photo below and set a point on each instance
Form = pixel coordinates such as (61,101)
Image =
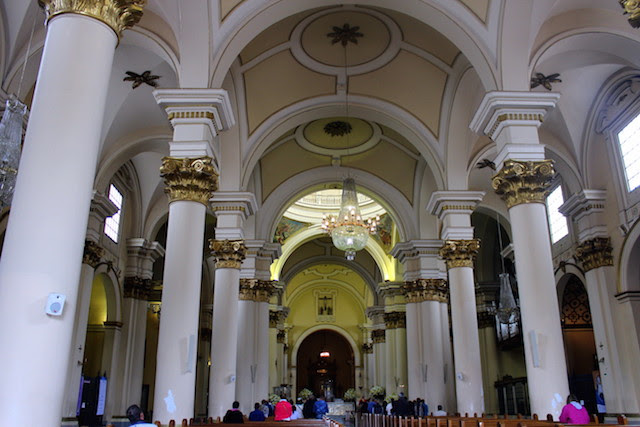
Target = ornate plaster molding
(192,179)
(93,253)
(595,253)
(395,319)
(117,14)
(460,253)
(426,290)
(367,348)
(378,336)
(228,253)
(523,182)
(256,290)
(137,288)
(631,8)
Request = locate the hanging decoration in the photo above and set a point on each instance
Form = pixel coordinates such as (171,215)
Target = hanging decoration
(508,311)
(10,148)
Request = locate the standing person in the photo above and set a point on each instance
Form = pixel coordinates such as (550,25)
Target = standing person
(307,408)
(574,412)
(321,407)
(136,416)
(257,414)
(283,410)
(233,415)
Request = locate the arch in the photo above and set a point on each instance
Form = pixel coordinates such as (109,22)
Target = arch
(394,202)
(113,291)
(385,265)
(334,328)
(264,15)
(629,270)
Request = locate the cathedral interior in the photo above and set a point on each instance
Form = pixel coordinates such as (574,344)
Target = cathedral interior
(195,248)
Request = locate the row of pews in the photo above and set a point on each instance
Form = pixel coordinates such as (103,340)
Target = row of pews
(268,423)
(379,420)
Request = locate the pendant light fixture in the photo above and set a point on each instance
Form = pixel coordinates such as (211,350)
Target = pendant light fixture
(508,311)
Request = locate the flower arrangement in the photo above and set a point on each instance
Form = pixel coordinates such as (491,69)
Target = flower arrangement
(393,396)
(350,395)
(305,394)
(274,398)
(376,391)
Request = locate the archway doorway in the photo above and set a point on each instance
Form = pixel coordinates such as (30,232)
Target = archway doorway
(325,364)
(579,341)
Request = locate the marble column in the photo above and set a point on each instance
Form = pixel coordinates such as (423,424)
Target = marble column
(277,368)
(426,296)
(224,337)
(396,349)
(69,103)
(190,183)
(459,255)
(90,260)
(594,252)
(512,119)
(141,255)
(378,339)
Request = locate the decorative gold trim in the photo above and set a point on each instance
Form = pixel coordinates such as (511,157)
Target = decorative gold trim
(228,208)
(460,253)
(117,14)
(190,115)
(137,288)
(228,253)
(631,8)
(281,338)
(595,253)
(426,290)
(256,290)
(93,253)
(523,182)
(277,317)
(189,179)
(395,319)
(457,208)
(378,336)
(367,348)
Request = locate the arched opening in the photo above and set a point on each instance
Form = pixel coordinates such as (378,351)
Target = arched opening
(579,341)
(325,364)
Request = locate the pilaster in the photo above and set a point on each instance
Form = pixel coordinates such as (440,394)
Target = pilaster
(586,210)
(101,208)
(454,209)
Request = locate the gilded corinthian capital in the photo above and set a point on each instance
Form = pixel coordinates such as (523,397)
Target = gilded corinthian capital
(117,14)
(92,253)
(425,290)
(523,182)
(228,253)
(460,253)
(189,179)
(631,8)
(595,253)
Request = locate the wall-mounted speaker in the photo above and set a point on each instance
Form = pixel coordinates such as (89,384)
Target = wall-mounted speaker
(55,304)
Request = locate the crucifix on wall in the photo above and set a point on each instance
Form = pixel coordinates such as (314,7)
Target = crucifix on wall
(325,306)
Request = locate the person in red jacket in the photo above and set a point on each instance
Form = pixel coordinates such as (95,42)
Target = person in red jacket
(574,412)
(283,410)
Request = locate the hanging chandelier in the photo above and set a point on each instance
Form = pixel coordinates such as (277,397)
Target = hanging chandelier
(348,231)
(508,311)
(10,147)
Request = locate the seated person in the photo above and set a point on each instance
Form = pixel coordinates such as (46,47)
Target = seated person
(574,412)
(257,414)
(297,413)
(283,410)
(136,416)
(233,415)
(320,407)
(440,412)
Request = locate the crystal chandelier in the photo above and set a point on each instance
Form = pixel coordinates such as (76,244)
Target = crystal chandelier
(508,311)
(349,232)
(10,147)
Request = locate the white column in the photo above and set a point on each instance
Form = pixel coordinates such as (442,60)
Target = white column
(390,362)
(110,363)
(447,354)
(224,341)
(435,393)
(414,351)
(401,358)
(64,127)
(178,335)
(262,341)
(246,366)
(466,344)
(523,178)
(378,337)
(91,258)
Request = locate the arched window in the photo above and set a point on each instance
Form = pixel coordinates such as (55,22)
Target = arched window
(629,145)
(557,221)
(112,223)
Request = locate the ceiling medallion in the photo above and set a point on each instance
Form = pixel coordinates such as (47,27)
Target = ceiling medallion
(337,128)
(345,34)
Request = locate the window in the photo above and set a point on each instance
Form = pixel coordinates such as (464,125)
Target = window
(112,224)
(629,140)
(557,222)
